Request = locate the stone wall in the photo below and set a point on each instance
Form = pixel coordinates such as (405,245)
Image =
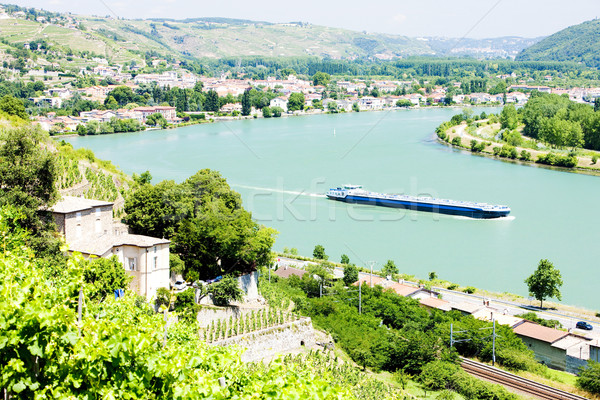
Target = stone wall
(272,341)
(249,284)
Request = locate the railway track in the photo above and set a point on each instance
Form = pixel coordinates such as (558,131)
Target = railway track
(507,379)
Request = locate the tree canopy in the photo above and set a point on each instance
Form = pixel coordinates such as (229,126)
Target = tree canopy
(204,218)
(545,282)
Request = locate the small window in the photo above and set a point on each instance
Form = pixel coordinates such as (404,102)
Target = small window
(78,215)
(132,263)
(97,211)
(155,262)
(98,226)
(78,231)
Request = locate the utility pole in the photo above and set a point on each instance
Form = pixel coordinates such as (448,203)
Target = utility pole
(371,263)
(494,341)
(451,340)
(360,297)
(321,290)
(80,309)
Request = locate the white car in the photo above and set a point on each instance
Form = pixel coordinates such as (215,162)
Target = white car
(180,285)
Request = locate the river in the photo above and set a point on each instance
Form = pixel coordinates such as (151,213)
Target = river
(283,166)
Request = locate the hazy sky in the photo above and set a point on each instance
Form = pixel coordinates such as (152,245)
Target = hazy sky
(456,18)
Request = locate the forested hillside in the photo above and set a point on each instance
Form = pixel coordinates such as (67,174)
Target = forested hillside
(579,43)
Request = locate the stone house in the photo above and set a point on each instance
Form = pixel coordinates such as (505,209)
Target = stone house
(88,228)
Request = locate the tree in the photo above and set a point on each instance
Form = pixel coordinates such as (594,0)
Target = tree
(597,104)
(104,276)
(122,95)
(389,268)
(212,101)
(321,78)
(404,103)
(350,274)
(545,282)
(266,112)
(156,119)
(277,111)
(246,103)
(319,253)
(27,179)
(226,290)
(296,102)
(13,106)
(508,117)
(345,259)
(589,377)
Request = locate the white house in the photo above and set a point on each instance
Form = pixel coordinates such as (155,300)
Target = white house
(280,102)
(88,228)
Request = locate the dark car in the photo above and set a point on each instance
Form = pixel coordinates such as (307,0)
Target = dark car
(584,325)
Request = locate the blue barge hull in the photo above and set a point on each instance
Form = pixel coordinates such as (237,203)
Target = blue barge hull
(355,195)
(435,208)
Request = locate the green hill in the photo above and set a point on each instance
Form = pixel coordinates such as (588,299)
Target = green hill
(220,37)
(579,43)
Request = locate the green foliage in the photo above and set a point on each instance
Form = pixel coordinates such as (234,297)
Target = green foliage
(176,264)
(246,103)
(477,146)
(156,119)
(345,259)
(117,350)
(567,161)
(104,276)
(576,43)
(533,317)
(226,290)
(350,274)
(525,155)
(296,102)
(469,290)
(319,253)
(589,377)
(13,106)
(102,186)
(389,268)
(28,179)
(204,218)
(163,297)
(509,118)
(266,112)
(438,375)
(545,282)
(321,78)
(456,141)
(277,111)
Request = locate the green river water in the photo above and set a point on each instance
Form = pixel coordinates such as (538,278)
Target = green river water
(283,166)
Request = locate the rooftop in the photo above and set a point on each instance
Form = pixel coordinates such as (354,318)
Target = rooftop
(99,245)
(286,272)
(70,204)
(539,332)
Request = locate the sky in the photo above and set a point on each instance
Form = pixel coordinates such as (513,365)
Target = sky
(414,18)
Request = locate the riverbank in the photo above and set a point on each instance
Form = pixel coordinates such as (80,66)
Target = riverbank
(551,308)
(483,142)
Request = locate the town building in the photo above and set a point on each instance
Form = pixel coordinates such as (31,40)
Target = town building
(88,228)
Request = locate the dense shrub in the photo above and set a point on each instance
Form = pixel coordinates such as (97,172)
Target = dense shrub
(589,377)
(567,161)
(477,147)
(525,155)
(456,141)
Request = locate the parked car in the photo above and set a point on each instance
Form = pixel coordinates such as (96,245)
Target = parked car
(180,285)
(584,325)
